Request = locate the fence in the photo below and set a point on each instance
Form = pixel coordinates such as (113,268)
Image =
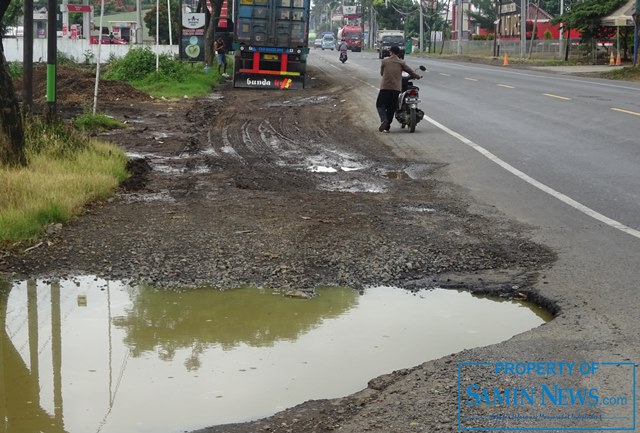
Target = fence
(538,49)
(80,50)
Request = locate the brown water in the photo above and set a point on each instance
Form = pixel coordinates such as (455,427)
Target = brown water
(89,355)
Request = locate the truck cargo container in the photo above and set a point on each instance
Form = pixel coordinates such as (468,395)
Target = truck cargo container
(270,40)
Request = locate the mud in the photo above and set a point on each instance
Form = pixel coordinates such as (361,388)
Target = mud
(226,191)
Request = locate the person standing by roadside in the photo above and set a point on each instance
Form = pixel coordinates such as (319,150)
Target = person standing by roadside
(390,86)
(221,54)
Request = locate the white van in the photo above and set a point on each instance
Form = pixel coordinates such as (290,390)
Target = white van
(328,42)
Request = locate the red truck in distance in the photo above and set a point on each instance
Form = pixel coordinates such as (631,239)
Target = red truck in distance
(352,35)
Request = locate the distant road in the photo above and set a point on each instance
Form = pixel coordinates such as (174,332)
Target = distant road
(577,137)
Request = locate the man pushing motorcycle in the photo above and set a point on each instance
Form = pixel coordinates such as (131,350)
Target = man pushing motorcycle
(390,86)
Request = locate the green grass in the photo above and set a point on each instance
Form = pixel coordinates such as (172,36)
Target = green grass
(65,172)
(96,122)
(196,83)
(173,79)
(630,73)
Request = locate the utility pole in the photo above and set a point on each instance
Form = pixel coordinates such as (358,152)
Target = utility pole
(459,24)
(561,29)
(139,35)
(421,44)
(523,28)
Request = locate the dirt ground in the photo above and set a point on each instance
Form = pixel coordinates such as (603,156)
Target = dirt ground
(284,189)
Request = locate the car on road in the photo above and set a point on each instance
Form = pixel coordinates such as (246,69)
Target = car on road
(317,43)
(328,42)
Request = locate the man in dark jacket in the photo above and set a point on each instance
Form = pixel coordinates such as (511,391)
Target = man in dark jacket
(390,86)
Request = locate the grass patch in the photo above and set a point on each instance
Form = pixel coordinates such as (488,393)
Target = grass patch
(630,73)
(173,79)
(65,172)
(195,82)
(96,122)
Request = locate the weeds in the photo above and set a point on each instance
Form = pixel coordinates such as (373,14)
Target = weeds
(96,122)
(65,171)
(15,70)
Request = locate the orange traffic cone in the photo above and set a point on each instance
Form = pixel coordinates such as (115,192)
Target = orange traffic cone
(506,60)
(618,61)
(611,61)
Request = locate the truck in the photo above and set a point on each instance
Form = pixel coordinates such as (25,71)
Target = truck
(270,43)
(352,35)
(388,38)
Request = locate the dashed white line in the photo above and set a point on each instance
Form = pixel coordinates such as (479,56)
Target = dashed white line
(620,110)
(551,95)
(552,192)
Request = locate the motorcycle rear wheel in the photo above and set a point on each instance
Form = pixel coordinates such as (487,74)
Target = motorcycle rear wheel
(413,119)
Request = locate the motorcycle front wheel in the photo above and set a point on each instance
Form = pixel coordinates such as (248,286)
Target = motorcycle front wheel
(413,119)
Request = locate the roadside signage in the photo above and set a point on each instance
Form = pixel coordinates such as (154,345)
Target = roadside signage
(75,8)
(192,41)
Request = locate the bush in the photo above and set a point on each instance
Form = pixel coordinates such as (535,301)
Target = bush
(140,64)
(135,65)
(547,35)
(15,70)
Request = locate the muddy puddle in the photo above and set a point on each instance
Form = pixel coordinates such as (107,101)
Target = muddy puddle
(89,355)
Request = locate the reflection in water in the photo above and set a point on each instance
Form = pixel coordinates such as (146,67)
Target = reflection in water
(19,386)
(166,321)
(90,355)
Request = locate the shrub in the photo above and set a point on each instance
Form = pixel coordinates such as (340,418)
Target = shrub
(140,63)
(15,70)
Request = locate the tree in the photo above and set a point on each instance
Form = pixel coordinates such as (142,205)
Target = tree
(585,16)
(486,14)
(12,15)
(394,14)
(550,6)
(11,131)
(211,18)
(163,33)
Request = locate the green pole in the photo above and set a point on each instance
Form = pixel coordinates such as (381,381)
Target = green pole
(51,83)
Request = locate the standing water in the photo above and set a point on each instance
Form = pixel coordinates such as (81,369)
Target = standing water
(89,355)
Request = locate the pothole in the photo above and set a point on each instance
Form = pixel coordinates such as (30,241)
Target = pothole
(99,355)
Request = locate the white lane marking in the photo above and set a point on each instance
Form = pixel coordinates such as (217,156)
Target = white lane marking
(470,79)
(542,187)
(551,95)
(505,86)
(620,110)
(556,194)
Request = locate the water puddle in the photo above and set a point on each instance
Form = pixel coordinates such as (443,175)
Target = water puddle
(90,355)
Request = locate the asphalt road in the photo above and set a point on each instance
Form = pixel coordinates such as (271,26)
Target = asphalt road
(559,153)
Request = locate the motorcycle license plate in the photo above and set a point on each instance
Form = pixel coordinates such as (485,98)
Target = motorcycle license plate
(411,100)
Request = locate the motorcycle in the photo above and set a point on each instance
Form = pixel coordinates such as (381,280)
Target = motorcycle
(343,56)
(408,113)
